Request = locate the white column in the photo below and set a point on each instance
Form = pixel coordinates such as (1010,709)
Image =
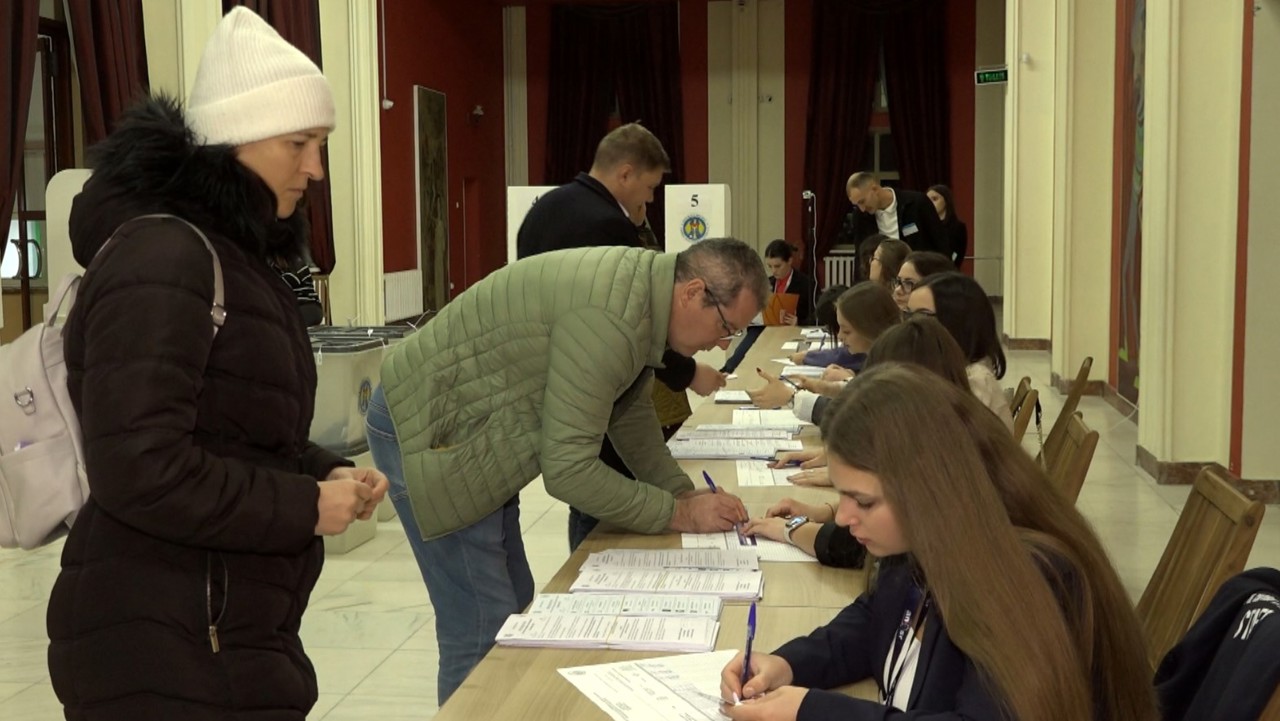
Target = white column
(1192,136)
(175,33)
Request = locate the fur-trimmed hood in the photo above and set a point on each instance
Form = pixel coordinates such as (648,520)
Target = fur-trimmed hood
(152,164)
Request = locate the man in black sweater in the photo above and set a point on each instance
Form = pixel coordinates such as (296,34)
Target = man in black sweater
(595,209)
(902,214)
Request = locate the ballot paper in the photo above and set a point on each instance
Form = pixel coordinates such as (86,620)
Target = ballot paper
(728,585)
(764,418)
(739,397)
(783,361)
(795,345)
(817,334)
(712,448)
(635,633)
(758,473)
(730,430)
(657,689)
(619,604)
(768,549)
(806,371)
(672,558)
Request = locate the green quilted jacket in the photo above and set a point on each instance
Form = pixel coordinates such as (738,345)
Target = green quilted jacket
(524,373)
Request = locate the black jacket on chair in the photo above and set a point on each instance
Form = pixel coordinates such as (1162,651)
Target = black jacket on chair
(918,223)
(1228,665)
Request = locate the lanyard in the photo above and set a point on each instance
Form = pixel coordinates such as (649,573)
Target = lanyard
(902,640)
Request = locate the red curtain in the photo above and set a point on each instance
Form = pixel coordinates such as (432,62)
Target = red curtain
(111,60)
(19,23)
(623,58)
(298,21)
(846,61)
(915,59)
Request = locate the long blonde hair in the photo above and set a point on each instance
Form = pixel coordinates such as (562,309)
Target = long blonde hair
(1021,581)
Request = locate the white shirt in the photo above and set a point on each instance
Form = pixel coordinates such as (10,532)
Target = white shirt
(908,662)
(887,219)
(986,387)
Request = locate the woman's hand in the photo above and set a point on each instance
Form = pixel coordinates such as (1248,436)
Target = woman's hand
(774,394)
(790,507)
(771,528)
(807,458)
(831,389)
(834,372)
(371,477)
(768,672)
(780,705)
(789,318)
(811,477)
(798,358)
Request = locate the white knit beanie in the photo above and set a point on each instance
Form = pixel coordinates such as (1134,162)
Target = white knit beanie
(252,85)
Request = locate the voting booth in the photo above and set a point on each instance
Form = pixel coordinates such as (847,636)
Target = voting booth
(520,198)
(695,212)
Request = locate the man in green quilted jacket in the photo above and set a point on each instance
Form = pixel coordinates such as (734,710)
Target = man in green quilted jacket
(524,374)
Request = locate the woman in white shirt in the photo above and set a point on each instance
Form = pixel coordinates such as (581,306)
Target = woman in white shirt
(962,306)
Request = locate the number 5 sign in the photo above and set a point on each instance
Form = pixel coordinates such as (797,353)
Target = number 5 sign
(695,212)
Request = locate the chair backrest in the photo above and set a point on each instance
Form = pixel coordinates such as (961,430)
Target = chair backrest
(1210,544)
(1023,413)
(1071,464)
(1019,394)
(1057,435)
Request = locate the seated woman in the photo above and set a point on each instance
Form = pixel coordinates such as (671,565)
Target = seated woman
(825,315)
(919,265)
(812,527)
(862,313)
(787,280)
(994,598)
(888,260)
(964,309)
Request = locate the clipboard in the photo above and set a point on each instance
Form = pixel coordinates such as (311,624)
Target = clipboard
(779,302)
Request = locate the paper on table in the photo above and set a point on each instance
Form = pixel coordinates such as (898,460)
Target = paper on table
(624,605)
(731,377)
(806,371)
(657,689)
(767,418)
(729,448)
(815,333)
(793,345)
(733,585)
(758,473)
(641,633)
(732,397)
(730,430)
(769,549)
(651,559)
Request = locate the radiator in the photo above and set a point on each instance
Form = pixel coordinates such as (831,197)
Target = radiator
(840,269)
(402,294)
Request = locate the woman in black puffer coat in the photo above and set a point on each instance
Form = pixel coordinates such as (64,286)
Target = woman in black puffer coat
(186,574)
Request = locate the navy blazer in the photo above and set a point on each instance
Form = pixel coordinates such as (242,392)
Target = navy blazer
(854,646)
(914,209)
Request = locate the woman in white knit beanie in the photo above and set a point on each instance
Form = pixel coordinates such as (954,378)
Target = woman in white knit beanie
(186,573)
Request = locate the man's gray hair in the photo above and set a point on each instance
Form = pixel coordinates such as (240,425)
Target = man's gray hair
(726,265)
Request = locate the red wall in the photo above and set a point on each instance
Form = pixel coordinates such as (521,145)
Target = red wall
(455,48)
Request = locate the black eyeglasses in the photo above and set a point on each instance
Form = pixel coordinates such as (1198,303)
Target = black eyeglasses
(921,312)
(728,329)
(906,284)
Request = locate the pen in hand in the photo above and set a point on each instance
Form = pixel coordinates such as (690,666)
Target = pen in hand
(737,527)
(746,656)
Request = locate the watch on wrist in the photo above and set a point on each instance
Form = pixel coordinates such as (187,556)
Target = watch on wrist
(792,524)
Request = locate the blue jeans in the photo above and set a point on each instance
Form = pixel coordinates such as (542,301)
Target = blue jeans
(476,576)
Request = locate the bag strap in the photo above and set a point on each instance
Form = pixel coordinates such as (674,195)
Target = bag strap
(219,310)
(66,292)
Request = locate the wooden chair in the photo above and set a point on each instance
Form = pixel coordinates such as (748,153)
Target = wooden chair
(1057,435)
(1210,544)
(1023,407)
(1071,464)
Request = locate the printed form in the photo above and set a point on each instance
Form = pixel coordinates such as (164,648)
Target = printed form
(679,688)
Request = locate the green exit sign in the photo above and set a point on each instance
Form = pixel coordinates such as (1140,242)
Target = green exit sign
(991,76)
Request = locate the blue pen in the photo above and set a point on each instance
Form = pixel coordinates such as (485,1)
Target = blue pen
(710,483)
(737,527)
(751,636)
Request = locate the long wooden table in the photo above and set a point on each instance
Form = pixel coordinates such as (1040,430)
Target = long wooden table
(525,683)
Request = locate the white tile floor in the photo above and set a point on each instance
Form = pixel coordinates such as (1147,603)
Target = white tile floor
(370,628)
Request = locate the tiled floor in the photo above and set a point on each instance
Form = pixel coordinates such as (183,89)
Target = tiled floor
(370,628)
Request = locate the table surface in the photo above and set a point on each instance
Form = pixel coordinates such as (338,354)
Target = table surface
(798,597)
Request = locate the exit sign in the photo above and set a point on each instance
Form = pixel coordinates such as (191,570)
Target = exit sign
(991,76)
